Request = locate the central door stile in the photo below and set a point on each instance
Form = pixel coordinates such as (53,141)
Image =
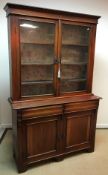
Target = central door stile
(59,57)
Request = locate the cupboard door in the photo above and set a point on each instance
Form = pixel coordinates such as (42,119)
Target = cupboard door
(42,138)
(38,50)
(78,130)
(74,57)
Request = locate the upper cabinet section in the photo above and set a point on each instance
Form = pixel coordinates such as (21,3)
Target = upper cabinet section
(51,52)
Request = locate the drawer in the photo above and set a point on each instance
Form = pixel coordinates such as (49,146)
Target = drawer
(42,111)
(80,106)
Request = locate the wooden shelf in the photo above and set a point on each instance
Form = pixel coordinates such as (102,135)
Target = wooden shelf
(75,63)
(36,82)
(51,64)
(50,43)
(38,43)
(75,79)
(75,44)
(36,64)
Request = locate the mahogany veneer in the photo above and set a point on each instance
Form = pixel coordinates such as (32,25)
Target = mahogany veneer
(51,67)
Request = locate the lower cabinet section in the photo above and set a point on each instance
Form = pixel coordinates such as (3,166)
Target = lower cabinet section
(53,131)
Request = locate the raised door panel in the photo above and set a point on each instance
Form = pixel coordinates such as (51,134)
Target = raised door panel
(78,128)
(42,137)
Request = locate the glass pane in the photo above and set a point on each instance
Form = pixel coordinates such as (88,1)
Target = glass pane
(36,88)
(70,86)
(75,55)
(37,54)
(75,34)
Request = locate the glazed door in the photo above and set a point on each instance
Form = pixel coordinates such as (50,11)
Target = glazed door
(75,57)
(38,50)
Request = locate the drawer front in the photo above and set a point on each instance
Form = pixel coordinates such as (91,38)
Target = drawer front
(42,112)
(80,106)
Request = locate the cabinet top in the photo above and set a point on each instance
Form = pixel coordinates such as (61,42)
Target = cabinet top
(25,10)
(24,104)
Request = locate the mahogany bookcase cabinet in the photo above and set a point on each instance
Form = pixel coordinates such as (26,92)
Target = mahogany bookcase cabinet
(51,70)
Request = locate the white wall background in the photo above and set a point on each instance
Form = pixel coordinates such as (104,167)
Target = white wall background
(100,80)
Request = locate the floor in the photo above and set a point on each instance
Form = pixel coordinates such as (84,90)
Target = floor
(95,163)
(2,130)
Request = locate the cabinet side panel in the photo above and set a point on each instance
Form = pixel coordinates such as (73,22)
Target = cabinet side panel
(15,133)
(14,57)
(91,58)
(18,140)
(93,130)
(10,51)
